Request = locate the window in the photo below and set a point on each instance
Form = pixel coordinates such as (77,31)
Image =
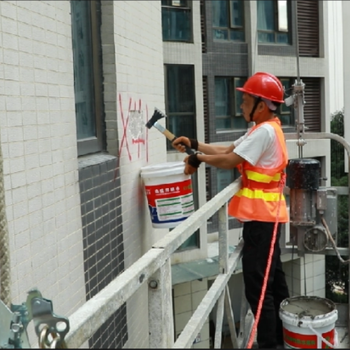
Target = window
(176,20)
(228,114)
(87,75)
(193,241)
(284,112)
(228,20)
(180,100)
(273,21)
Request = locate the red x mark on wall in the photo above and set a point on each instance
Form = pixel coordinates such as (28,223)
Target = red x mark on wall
(125,125)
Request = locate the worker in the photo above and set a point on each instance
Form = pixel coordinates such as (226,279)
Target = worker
(261,156)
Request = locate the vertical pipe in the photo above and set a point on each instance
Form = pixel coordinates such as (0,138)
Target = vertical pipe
(231,319)
(297,38)
(219,319)
(223,244)
(223,267)
(250,12)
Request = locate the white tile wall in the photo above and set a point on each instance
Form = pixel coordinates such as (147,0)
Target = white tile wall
(187,297)
(137,81)
(313,267)
(38,118)
(38,144)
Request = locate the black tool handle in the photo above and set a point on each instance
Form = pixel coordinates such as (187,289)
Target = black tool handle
(188,149)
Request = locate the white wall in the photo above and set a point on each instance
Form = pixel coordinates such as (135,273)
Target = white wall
(335,54)
(140,85)
(38,140)
(39,145)
(346,67)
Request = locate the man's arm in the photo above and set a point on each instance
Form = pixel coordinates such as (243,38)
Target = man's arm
(222,161)
(206,148)
(214,149)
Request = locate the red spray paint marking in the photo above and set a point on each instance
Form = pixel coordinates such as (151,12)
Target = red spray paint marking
(146,134)
(124,137)
(125,124)
(138,148)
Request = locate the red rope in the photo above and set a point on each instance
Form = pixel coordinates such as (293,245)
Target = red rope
(268,267)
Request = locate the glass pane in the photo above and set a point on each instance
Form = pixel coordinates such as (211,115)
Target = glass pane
(283,38)
(220,34)
(285,112)
(220,13)
(239,123)
(287,92)
(223,103)
(266,15)
(286,119)
(83,68)
(223,178)
(239,82)
(237,35)
(223,123)
(191,242)
(180,88)
(266,37)
(236,13)
(182,125)
(282,16)
(176,24)
(223,97)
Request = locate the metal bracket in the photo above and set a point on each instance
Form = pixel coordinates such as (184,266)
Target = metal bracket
(14,321)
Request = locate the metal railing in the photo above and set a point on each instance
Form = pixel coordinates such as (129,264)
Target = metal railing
(154,268)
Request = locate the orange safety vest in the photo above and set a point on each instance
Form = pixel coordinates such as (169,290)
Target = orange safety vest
(259,197)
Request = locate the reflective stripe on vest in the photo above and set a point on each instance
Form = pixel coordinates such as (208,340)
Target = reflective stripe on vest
(258,199)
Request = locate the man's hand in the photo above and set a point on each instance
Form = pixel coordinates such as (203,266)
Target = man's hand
(192,163)
(180,142)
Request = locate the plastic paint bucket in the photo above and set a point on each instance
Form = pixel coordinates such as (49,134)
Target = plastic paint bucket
(169,193)
(308,322)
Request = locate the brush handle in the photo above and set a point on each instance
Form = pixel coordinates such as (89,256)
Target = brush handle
(171,137)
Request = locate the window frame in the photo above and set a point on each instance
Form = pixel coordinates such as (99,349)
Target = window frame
(230,26)
(187,7)
(276,31)
(235,101)
(281,110)
(178,113)
(96,142)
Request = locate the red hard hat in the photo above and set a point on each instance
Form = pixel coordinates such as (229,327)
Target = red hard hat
(264,85)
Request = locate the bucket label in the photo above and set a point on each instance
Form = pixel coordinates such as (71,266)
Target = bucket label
(306,341)
(170,202)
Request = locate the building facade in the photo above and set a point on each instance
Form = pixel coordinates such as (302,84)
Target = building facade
(79,82)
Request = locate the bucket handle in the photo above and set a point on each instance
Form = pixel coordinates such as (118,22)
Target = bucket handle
(319,338)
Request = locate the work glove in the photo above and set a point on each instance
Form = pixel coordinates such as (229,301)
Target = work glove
(180,142)
(192,164)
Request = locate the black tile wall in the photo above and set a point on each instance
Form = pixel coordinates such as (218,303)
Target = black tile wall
(103,244)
